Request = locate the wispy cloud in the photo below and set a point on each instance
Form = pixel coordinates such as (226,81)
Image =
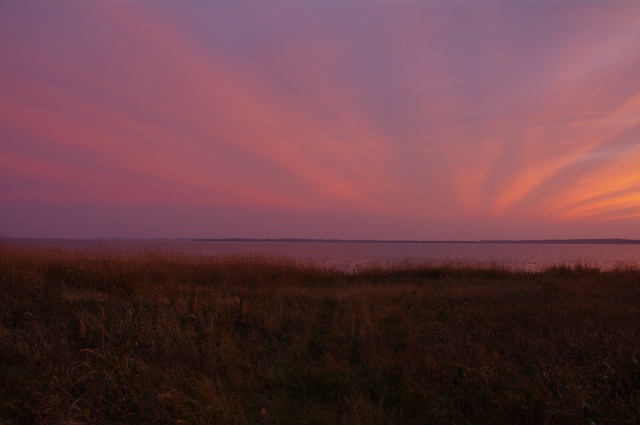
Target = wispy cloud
(418,113)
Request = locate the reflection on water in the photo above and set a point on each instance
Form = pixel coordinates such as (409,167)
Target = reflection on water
(351,255)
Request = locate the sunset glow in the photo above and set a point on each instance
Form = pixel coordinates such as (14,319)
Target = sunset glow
(327,119)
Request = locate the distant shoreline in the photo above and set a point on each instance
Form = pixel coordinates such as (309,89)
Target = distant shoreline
(609,241)
(612,241)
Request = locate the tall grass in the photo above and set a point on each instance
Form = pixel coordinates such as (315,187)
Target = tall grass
(164,338)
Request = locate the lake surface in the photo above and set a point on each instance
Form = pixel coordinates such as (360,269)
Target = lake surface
(351,255)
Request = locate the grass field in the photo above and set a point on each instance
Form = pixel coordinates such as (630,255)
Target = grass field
(162,338)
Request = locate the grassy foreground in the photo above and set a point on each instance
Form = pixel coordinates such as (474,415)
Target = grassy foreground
(162,338)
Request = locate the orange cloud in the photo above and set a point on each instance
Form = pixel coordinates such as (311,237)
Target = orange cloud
(414,111)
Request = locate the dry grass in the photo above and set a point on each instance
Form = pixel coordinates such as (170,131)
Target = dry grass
(163,338)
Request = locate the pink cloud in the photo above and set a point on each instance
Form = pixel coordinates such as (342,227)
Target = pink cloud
(415,113)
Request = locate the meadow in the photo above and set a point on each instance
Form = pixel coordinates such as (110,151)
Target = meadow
(153,337)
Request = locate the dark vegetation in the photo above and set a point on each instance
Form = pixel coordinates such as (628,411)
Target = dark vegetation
(162,338)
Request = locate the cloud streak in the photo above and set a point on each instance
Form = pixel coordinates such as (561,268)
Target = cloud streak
(432,119)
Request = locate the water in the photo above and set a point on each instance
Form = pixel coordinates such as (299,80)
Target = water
(351,255)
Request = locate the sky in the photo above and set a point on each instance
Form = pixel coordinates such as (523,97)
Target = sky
(350,119)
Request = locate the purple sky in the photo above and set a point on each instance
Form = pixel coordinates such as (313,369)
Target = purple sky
(446,119)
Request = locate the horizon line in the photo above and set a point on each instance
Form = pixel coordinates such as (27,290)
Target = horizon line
(575,241)
(609,241)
